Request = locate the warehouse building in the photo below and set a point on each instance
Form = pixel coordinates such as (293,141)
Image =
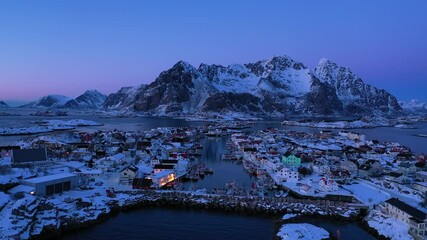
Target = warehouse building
(30,157)
(52,184)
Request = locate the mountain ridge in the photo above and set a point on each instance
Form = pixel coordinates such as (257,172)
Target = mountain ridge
(273,87)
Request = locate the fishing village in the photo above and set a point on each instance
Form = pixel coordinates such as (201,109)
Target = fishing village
(59,182)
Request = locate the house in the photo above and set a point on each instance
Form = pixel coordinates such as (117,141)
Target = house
(284,174)
(370,168)
(321,169)
(291,160)
(421,176)
(87,175)
(352,135)
(350,166)
(398,178)
(142,183)
(170,162)
(52,184)
(162,178)
(415,218)
(128,173)
(154,161)
(160,168)
(30,157)
(407,168)
(327,185)
(420,186)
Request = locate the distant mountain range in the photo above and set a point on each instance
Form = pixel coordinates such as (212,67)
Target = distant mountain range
(414,106)
(279,86)
(3,105)
(274,87)
(91,99)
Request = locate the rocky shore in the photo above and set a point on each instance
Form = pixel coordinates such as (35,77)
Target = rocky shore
(50,222)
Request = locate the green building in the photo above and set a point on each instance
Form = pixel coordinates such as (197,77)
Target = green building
(291,160)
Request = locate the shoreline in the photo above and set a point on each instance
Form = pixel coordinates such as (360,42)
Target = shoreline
(211,203)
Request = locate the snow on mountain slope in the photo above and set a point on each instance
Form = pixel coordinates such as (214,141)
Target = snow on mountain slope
(276,86)
(3,105)
(414,106)
(125,97)
(356,96)
(91,99)
(282,74)
(49,101)
(234,78)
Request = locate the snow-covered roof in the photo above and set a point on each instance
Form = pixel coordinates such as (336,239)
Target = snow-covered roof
(89,171)
(160,174)
(21,188)
(50,178)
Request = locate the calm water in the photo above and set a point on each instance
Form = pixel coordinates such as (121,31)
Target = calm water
(158,224)
(185,224)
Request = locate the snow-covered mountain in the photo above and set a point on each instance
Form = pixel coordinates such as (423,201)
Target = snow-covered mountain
(414,106)
(355,96)
(49,101)
(276,86)
(126,96)
(3,105)
(90,99)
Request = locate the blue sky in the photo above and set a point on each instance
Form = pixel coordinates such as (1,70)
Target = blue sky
(67,47)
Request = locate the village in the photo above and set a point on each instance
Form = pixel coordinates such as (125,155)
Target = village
(342,167)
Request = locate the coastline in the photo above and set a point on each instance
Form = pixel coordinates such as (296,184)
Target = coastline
(179,200)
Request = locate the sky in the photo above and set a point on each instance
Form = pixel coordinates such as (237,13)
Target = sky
(69,46)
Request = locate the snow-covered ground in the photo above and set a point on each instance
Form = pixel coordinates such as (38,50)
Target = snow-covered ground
(302,231)
(367,194)
(289,216)
(388,227)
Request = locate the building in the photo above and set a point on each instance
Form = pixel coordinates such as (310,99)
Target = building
(160,168)
(291,160)
(352,135)
(407,168)
(128,173)
(415,218)
(154,161)
(30,157)
(6,151)
(86,176)
(328,185)
(370,168)
(420,186)
(321,169)
(350,166)
(421,176)
(284,174)
(52,184)
(170,162)
(162,178)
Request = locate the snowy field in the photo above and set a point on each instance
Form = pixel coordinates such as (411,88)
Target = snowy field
(367,194)
(303,231)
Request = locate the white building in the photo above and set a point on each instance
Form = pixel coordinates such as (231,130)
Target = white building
(321,169)
(353,135)
(286,175)
(415,218)
(52,184)
(328,185)
(86,175)
(128,173)
(161,178)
